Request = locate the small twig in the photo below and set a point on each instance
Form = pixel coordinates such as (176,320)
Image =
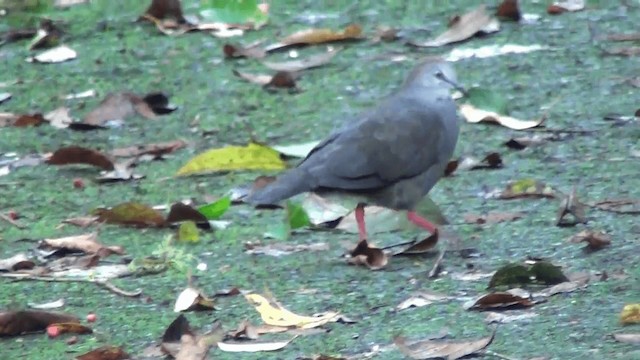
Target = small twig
(11,221)
(560,131)
(410,242)
(103,283)
(437,266)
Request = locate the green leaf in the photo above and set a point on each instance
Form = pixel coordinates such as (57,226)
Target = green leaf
(488,100)
(233,12)
(215,210)
(296,216)
(511,274)
(279,231)
(188,232)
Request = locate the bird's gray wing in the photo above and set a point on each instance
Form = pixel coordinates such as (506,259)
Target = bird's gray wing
(397,140)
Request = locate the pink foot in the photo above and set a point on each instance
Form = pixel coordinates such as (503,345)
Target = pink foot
(419,221)
(362,230)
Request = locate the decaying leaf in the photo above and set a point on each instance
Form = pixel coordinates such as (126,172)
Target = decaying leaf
(253,51)
(17,262)
(425,245)
(509,9)
(273,313)
(58,54)
(571,205)
(562,288)
(524,142)
(492,50)
(463,27)
(504,318)
(385,33)
(620,206)
(82,221)
(118,107)
(59,118)
(26,120)
(72,328)
(491,161)
(630,314)
(107,352)
(560,7)
(281,249)
(475,115)
(421,299)
(363,254)
(162,9)
(251,157)
(627,338)
(181,212)
(80,155)
(281,79)
(182,343)
(527,188)
(303,64)
(13,323)
(492,217)
(130,213)
(498,300)
(436,349)
(155,149)
(595,240)
(87,243)
(318,36)
(192,299)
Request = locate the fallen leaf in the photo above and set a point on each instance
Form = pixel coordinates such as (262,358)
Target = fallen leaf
(509,9)
(498,300)
(296,150)
(273,313)
(253,346)
(253,51)
(363,254)
(156,149)
(303,64)
(80,155)
(571,205)
(595,240)
(511,274)
(281,79)
(13,323)
(162,9)
(82,221)
(131,213)
(282,249)
(451,350)
(503,318)
(385,33)
(188,232)
(421,299)
(492,217)
(425,245)
(559,7)
(474,115)
(627,338)
(620,206)
(319,36)
(17,262)
(192,299)
(527,188)
(463,27)
(58,54)
(87,243)
(4,97)
(107,352)
(251,157)
(26,120)
(118,107)
(630,314)
(72,328)
(59,118)
(562,288)
(524,142)
(80,95)
(48,306)
(181,212)
(182,343)
(216,209)
(491,161)
(488,51)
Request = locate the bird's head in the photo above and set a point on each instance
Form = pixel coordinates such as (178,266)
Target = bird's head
(432,74)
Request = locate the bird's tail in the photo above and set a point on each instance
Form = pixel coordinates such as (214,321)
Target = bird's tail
(291,183)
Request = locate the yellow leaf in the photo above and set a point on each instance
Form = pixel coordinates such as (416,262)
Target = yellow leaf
(251,157)
(273,313)
(188,232)
(630,314)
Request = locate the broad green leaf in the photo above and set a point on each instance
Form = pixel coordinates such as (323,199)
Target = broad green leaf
(240,12)
(486,99)
(215,210)
(250,157)
(296,216)
(131,213)
(188,232)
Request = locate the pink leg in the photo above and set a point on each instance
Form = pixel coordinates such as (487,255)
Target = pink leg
(421,222)
(362,230)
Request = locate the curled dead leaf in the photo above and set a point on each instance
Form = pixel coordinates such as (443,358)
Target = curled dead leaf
(432,349)
(475,115)
(463,27)
(595,240)
(498,300)
(363,254)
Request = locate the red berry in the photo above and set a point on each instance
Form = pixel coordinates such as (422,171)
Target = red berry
(91,317)
(53,331)
(78,183)
(13,215)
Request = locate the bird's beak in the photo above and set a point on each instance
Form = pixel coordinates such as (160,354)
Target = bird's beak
(454,84)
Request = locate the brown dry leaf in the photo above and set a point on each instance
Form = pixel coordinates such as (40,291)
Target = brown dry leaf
(421,299)
(122,171)
(498,300)
(595,240)
(59,118)
(560,7)
(385,33)
(252,51)
(182,343)
(425,245)
(321,36)
(471,276)
(463,27)
(161,9)
(73,328)
(80,155)
(9,119)
(58,54)
(509,9)
(17,262)
(624,51)
(281,249)
(502,318)
(303,64)
(118,106)
(131,213)
(82,221)
(107,352)
(571,205)
(87,243)
(192,299)
(491,161)
(630,314)
(475,115)
(14,323)
(620,206)
(492,217)
(180,212)
(628,338)
(523,142)
(272,313)
(451,350)
(281,79)
(563,287)
(527,188)
(373,257)
(155,149)
(246,330)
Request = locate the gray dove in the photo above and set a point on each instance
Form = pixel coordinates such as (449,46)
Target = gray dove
(390,156)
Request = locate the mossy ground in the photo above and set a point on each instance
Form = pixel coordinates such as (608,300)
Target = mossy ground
(116,54)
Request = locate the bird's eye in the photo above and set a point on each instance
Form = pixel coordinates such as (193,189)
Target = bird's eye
(439,74)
